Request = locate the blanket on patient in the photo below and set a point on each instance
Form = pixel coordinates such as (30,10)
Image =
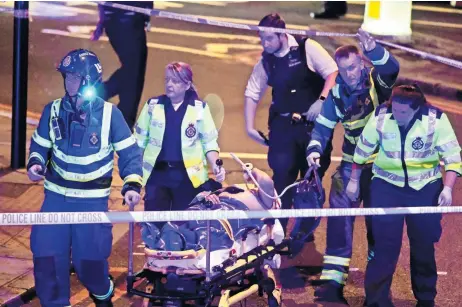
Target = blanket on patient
(178,236)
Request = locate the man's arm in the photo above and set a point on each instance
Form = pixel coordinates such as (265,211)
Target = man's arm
(324,127)
(130,154)
(41,144)
(256,87)
(266,185)
(318,60)
(385,64)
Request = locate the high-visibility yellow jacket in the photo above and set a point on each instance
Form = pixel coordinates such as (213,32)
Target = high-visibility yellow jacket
(411,156)
(199,137)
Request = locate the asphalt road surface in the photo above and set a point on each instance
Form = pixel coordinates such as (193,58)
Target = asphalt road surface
(222,64)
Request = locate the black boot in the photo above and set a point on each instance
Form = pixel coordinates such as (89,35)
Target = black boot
(330,292)
(106,302)
(102,303)
(425,304)
(332,10)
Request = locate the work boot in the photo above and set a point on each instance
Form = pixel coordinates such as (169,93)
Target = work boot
(330,292)
(102,303)
(325,15)
(425,304)
(106,302)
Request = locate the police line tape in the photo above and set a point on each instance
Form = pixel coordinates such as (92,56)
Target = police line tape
(194,19)
(16,13)
(56,218)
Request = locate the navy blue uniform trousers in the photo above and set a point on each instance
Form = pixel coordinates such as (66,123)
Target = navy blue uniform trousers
(423,231)
(287,156)
(51,246)
(168,190)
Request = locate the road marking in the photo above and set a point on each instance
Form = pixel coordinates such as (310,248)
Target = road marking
(217,35)
(421,8)
(416,22)
(150,45)
(442,273)
(211,3)
(139,254)
(224,48)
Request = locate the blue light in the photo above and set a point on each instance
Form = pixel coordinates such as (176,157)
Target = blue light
(89,93)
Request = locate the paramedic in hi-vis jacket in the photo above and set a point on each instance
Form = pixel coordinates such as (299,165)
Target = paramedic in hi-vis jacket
(178,135)
(412,138)
(73,148)
(358,91)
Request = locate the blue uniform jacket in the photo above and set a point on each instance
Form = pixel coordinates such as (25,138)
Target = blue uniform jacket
(81,163)
(353,108)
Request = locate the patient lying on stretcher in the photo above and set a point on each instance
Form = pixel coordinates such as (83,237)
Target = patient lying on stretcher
(238,236)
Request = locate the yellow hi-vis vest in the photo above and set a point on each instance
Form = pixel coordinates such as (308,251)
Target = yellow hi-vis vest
(199,136)
(416,159)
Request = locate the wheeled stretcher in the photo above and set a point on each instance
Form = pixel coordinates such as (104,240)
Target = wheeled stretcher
(180,278)
(222,277)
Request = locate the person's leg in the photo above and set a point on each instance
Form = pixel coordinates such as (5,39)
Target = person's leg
(365,196)
(332,10)
(51,247)
(339,240)
(282,158)
(133,58)
(157,198)
(113,84)
(424,230)
(91,248)
(183,194)
(388,233)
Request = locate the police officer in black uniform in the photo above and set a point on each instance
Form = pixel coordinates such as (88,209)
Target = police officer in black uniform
(301,73)
(126,32)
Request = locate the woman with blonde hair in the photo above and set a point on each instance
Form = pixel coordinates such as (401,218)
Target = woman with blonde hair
(179,138)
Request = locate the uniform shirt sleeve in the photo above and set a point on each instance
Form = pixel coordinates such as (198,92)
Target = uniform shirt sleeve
(41,144)
(130,155)
(257,84)
(318,59)
(447,146)
(324,126)
(141,132)
(385,64)
(208,133)
(368,142)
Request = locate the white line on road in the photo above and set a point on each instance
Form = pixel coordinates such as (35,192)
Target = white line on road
(138,254)
(150,45)
(86,29)
(442,273)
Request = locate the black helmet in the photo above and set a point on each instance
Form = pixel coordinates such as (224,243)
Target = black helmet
(86,64)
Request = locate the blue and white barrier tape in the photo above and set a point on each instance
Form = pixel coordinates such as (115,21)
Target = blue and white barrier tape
(16,13)
(194,19)
(56,218)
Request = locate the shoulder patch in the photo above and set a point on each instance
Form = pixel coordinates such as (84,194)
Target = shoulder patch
(439,112)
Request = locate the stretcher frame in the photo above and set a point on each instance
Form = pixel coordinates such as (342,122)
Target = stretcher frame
(246,275)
